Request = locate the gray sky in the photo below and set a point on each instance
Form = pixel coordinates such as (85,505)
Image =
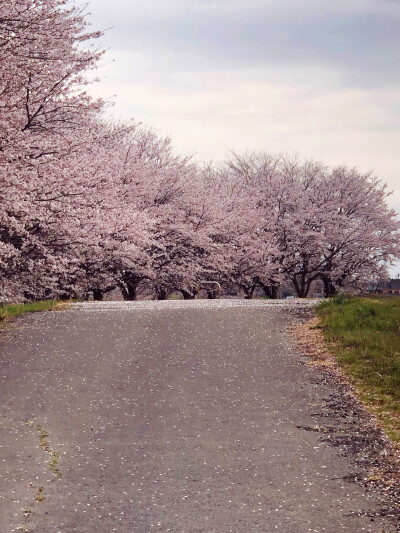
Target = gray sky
(316,78)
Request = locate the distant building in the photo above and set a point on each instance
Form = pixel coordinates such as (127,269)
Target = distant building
(392,287)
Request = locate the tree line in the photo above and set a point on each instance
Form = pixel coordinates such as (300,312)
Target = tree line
(88,205)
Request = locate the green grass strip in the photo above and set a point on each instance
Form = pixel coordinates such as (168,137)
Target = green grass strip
(364,334)
(12,310)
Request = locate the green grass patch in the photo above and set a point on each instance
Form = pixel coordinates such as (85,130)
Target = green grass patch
(39,494)
(13,310)
(54,456)
(364,334)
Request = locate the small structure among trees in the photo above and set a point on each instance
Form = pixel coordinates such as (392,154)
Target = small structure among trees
(391,287)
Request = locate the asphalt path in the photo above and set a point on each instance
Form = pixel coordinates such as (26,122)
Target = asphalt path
(174,416)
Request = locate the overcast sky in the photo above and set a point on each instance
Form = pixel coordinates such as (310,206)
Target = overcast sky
(316,78)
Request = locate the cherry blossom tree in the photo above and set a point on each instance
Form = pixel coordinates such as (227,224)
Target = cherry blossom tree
(167,189)
(361,231)
(333,226)
(44,54)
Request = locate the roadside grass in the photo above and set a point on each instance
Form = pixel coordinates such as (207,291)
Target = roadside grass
(364,335)
(175,296)
(13,310)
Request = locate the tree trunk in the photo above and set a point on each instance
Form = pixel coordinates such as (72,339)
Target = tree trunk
(271,291)
(249,292)
(329,288)
(211,294)
(302,288)
(131,288)
(64,296)
(128,289)
(161,293)
(187,294)
(97,295)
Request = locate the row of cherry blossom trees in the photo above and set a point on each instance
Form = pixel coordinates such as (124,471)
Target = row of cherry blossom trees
(88,206)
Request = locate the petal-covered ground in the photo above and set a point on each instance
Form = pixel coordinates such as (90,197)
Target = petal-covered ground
(174,416)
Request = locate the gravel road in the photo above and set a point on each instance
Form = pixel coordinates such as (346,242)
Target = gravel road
(177,417)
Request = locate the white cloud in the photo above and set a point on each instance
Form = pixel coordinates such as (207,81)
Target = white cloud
(300,110)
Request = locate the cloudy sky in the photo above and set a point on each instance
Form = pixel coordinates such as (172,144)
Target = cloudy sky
(316,78)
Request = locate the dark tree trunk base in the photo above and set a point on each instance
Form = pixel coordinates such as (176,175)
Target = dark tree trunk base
(329,288)
(129,290)
(271,291)
(187,295)
(161,293)
(98,295)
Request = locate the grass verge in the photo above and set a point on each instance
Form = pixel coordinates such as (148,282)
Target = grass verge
(13,310)
(364,335)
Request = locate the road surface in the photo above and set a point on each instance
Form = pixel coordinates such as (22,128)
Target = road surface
(177,417)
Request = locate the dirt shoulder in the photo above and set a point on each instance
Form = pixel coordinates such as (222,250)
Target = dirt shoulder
(356,431)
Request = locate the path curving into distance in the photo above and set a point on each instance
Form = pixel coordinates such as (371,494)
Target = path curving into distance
(173,416)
